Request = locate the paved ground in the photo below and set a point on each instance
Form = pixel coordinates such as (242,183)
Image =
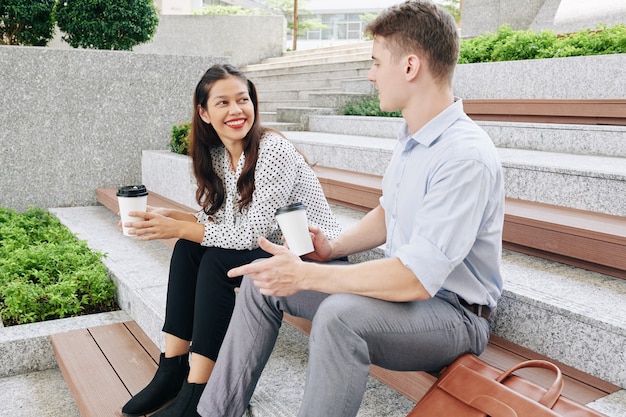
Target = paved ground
(37,394)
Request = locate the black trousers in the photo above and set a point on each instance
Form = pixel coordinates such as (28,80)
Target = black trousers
(200,297)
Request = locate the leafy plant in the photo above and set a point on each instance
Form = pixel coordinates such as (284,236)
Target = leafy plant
(105,24)
(179,142)
(369,106)
(508,45)
(26,22)
(46,272)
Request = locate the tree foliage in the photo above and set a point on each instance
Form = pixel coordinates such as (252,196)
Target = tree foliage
(26,22)
(106,24)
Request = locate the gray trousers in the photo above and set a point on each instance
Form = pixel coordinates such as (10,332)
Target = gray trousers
(349,333)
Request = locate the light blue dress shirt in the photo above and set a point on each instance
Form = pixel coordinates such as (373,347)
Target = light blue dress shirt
(443,197)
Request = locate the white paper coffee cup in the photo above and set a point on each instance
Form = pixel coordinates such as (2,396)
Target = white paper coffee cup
(131,198)
(295,227)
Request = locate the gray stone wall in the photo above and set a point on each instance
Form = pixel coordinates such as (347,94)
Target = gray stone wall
(242,39)
(561,16)
(75,120)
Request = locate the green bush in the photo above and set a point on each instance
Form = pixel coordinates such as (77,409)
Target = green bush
(26,22)
(46,272)
(106,24)
(179,142)
(369,106)
(509,45)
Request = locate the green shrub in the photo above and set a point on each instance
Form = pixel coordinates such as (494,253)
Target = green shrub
(604,40)
(369,106)
(509,45)
(26,22)
(46,272)
(106,24)
(179,142)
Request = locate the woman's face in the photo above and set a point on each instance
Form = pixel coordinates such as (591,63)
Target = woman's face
(229,110)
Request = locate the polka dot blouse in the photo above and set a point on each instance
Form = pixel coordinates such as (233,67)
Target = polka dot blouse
(282,177)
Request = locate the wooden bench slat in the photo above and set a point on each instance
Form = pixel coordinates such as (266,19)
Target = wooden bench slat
(573,373)
(95,386)
(132,363)
(586,111)
(144,340)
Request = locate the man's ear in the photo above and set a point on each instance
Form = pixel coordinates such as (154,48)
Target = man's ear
(412,68)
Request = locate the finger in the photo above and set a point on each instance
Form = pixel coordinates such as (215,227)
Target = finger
(269,247)
(244,270)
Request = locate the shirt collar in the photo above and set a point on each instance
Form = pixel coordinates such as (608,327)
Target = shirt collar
(433,129)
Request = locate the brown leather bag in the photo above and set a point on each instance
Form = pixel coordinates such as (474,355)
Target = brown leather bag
(471,388)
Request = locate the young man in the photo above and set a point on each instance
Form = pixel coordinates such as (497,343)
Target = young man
(440,217)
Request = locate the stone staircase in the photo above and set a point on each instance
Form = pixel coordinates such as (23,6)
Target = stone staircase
(570,314)
(294,85)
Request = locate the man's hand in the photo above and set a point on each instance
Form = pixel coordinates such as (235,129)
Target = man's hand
(279,275)
(323,248)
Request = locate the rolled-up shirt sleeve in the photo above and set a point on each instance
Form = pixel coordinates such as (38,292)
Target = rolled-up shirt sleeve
(447,222)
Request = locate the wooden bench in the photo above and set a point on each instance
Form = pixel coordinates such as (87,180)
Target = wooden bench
(580,386)
(593,111)
(105,365)
(584,239)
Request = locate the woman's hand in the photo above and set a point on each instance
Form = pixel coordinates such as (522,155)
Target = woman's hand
(158,210)
(154,225)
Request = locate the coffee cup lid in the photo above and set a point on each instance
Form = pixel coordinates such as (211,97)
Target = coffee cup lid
(132,191)
(290,207)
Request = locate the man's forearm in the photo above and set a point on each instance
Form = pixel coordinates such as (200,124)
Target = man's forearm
(385,279)
(369,233)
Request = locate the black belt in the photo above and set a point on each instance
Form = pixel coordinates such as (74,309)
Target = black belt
(482,311)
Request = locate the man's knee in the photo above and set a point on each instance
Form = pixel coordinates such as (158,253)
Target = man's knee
(335,310)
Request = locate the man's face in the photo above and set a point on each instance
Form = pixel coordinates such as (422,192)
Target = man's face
(388,76)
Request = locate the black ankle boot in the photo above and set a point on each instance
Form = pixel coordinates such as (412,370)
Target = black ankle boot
(185,403)
(165,385)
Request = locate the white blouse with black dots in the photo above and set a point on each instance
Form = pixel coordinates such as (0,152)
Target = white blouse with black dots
(282,177)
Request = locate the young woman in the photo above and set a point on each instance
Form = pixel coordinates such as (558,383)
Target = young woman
(244,173)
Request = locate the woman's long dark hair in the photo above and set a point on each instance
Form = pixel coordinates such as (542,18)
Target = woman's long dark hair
(210,192)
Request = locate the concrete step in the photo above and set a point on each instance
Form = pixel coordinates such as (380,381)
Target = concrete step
(604,140)
(272,105)
(548,177)
(574,316)
(309,60)
(365,46)
(303,82)
(349,69)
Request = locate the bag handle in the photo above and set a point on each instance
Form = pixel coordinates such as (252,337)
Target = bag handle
(554,392)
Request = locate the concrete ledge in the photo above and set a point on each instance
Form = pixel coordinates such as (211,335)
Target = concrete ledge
(26,348)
